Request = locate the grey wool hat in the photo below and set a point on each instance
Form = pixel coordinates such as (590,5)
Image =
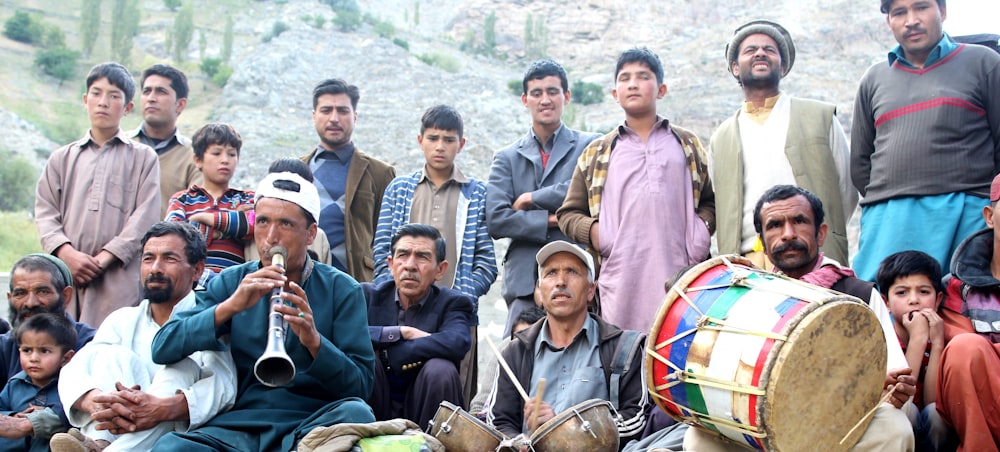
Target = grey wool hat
(785,45)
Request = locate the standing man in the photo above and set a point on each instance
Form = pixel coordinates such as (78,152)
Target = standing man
(420,330)
(326,335)
(641,197)
(95,199)
(528,182)
(776,139)
(115,382)
(926,139)
(789,220)
(350,182)
(164,96)
(580,355)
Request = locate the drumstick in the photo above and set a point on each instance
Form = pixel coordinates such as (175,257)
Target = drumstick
(885,399)
(538,403)
(506,368)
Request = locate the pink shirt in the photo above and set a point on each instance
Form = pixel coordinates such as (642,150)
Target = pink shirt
(648,226)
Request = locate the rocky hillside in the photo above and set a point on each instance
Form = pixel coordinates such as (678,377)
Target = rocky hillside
(268,98)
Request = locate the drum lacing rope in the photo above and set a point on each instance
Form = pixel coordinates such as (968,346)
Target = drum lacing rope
(692,418)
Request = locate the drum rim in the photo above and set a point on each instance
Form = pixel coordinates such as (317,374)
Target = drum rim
(478,424)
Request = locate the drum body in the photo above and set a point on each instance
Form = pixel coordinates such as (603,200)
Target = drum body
(586,426)
(461,431)
(763,360)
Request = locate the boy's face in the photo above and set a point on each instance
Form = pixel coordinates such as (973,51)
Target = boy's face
(41,357)
(637,90)
(440,147)
(912,293)
(218,164)
(545,100)
(106,105)
(160,105)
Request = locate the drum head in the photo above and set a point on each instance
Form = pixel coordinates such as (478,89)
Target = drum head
(459,430)
(818,388)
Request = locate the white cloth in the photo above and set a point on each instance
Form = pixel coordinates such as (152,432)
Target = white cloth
(121,352)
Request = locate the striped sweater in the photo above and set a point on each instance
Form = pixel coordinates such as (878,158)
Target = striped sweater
(477,266)
(232,227)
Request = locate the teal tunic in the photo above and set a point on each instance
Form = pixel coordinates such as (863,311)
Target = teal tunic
(326,390)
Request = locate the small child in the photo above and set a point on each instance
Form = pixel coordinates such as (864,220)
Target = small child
(45,343)
(220,212)
(910,283)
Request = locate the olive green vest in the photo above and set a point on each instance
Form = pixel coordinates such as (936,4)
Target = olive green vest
(807,147)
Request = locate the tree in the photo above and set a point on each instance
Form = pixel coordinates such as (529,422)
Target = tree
(58,62)
(227,41)
(416,12)
(54,37)
(22,27)
(172,4)
(210,66)
(202,43)
(528,38)
(90,25)
(490,34)
(183,31)
(121,29)
(586,93)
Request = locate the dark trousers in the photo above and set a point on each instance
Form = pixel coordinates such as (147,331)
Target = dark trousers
(436,381)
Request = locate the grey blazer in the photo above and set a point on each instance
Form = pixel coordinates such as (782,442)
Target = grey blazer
(518,169)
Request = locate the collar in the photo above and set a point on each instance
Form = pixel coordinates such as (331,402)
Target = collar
(588,334)
(769,103)
(552,138)
(624,129)
(306,270)
(342,154)
(88,140)
(167,143)
(456,176)
(184,304)
(420,304)
(971,262)
(23,376)
(942,49)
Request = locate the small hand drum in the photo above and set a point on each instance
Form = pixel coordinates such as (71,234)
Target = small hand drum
(461,431)
(587,426)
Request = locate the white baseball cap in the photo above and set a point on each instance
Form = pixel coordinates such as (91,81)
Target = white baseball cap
(562,246)
(290,187)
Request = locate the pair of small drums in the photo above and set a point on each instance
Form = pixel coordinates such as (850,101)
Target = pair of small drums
(587,426)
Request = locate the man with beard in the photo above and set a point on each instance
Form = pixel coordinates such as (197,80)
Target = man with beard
(776,139)
(789,221)
(39,283)
(112,389)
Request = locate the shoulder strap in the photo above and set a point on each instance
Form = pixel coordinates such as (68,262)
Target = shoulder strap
(628,345)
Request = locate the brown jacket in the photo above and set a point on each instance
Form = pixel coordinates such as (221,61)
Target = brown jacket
(366,181)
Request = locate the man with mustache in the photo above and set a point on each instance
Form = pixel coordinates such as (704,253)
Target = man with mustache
(776,139)
(420,330)
(789,221)
(350,182)
(925,141)
(580,356)
(39,283)
(113,391)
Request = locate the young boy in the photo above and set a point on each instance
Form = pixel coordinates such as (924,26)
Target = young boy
(95,199)
(646,209)
(45,344)
(910,283)
(441,196)
(220,212)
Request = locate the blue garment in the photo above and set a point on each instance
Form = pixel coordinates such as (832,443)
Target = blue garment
(15,398)
(934,224)
(941,50)
(327,388)
(10,361)
(330,178)
(477,264)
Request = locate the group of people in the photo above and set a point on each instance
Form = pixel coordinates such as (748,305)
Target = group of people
(596,224)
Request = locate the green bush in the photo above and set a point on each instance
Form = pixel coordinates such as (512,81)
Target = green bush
(54,37)
(586,93)
(319,21)
(58,62)
(19,237)
(384,29)
(401,42)
(516,87)
(17,182)
(441,60)
(277,28)
(23,27)
(222,76)
(210,66)
(172,5)
(347,20)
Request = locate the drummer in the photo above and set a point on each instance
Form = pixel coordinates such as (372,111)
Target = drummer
(571,349)
(786,219)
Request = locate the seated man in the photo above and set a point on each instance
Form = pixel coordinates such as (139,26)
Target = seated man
(326,335)
(420,330)
(112,389)
(969,385)
(789,221)
(39,283)
(572,349)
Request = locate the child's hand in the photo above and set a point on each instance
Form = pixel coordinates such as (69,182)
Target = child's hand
(935,325)
(917,325)
(31,409)
(204,218)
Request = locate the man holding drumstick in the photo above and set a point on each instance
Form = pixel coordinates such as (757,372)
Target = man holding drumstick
(572,350)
